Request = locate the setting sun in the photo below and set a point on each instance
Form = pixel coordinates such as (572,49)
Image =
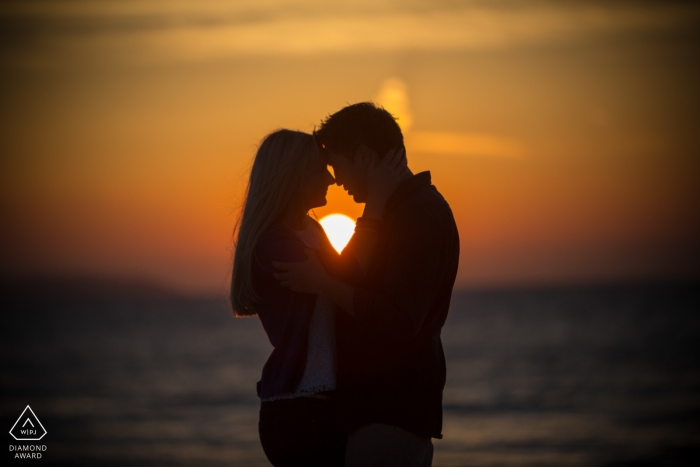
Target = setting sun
(339,229)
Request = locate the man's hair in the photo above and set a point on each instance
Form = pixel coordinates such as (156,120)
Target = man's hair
(362,123)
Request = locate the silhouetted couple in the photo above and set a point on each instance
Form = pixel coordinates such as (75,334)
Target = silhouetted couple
(357,370)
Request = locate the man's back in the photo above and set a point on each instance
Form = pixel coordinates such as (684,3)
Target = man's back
(390,359)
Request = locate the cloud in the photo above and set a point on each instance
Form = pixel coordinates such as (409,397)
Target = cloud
(463,144)
(156,30)
(393,96)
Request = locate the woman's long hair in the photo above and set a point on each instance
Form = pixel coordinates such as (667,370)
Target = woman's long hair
(276,181)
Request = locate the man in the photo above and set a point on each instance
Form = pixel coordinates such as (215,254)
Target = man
(391,365)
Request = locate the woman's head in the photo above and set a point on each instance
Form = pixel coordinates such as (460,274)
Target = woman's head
(289,176)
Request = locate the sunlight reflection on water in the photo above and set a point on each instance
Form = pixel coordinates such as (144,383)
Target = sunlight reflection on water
(578,377)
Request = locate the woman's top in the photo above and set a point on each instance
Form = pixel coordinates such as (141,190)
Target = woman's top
(320,367)
(287,316)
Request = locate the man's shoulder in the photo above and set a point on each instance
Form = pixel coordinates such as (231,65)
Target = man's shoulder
(425,200)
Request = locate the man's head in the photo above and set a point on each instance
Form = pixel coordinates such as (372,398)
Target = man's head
(355,138)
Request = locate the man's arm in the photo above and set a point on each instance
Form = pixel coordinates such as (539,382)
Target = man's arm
(382,181)
(363,243)
(310,276)
(360,249)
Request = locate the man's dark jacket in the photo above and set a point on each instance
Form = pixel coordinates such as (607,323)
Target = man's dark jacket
(391,365)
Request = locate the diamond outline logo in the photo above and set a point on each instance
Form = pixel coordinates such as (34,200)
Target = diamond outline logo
(35,418)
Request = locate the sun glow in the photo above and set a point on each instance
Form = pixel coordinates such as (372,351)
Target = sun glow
(339,229)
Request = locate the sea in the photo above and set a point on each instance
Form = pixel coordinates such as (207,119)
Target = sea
(574,376)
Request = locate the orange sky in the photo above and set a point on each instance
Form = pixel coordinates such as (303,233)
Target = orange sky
(563,136)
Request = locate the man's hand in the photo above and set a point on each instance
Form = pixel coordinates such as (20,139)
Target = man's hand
(307,276)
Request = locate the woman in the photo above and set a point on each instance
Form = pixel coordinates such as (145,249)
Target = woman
(298,421)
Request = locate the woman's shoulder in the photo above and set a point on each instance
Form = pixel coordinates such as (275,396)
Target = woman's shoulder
(276,232)
(279,243)
(280,233)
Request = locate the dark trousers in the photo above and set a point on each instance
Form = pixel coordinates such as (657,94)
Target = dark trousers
(301,432)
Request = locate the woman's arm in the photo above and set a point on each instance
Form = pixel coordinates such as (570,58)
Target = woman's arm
(310,277)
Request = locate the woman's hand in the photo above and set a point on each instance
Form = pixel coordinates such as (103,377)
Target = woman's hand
(383,179)
(308,276)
